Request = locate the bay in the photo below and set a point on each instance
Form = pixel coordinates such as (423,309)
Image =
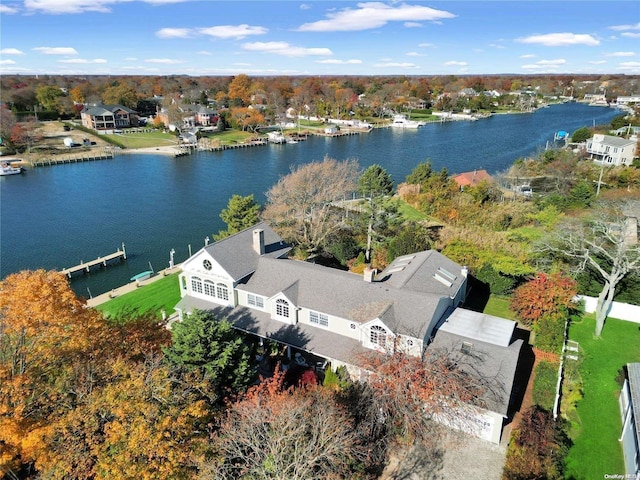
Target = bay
(55,217)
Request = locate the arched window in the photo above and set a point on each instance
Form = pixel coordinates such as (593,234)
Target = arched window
(196,284)
(282,308)
(223,293)
(209,288)
(378,336)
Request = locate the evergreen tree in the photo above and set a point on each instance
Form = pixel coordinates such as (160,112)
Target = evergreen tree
(241,213)
(375,181)
(213,348)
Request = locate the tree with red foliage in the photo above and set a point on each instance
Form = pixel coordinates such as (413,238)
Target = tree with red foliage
(278,433)
(549,296)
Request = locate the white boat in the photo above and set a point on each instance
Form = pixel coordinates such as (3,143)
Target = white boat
(276,137)
(401,121)
(7,169)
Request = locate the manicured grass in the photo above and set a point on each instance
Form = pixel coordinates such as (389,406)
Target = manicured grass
(499,307)
(596,450)
(229,137)
(160,295)
(144,140)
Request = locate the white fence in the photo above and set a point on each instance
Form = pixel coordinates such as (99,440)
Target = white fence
(622,311)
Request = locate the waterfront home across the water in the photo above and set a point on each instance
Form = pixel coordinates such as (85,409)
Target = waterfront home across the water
(339,316)
(610,150)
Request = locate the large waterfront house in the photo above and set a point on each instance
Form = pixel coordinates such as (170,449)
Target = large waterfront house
(109,117)
(630,411)
(609,150)
(339,316)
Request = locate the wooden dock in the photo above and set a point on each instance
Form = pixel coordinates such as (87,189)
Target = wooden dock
(120,254)
(75,157)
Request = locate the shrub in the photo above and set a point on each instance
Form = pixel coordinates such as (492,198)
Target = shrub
(544,385)
(537,448)
(549,334)
(498,284)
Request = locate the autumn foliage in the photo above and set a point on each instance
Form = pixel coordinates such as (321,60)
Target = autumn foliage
(549,296)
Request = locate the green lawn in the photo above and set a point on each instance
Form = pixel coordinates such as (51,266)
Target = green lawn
(596,450)
(147,139)
(499,307)
(160,295)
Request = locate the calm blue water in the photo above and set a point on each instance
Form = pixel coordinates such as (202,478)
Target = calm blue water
(54,217)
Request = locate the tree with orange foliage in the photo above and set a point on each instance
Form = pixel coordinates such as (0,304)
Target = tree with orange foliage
(273,433)
(54,354)
(544,296)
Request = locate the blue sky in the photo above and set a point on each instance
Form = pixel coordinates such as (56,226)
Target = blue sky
(161,37)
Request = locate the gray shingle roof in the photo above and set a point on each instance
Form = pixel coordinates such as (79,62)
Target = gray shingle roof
(428,271)
(236,254)
(493,365)
(616,141)
(106,109)
(347,295)
(316,341)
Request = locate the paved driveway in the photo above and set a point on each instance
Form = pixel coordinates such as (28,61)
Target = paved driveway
(465,458)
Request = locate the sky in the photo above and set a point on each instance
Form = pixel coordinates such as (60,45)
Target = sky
(229,37)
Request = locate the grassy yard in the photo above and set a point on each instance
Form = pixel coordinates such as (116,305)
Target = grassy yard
(596,450)
(160,295)
(499,307)
(147,139)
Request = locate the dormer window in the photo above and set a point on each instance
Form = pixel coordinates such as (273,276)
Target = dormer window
(378,336)
(282,308)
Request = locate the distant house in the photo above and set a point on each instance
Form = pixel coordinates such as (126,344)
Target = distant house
(610,150)
(109,117)
(470,179)
(630,411)
(338,316)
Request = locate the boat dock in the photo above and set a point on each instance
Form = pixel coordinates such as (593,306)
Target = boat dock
(120,254)
(90,156)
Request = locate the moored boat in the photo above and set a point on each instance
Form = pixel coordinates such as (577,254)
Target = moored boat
(8,169)
(401,121)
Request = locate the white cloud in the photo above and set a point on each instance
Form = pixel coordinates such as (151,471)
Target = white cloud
(174,33)
(83,60)
(557,61)
(204,52)
(621,54)
(369,15)
(164,61)
(7,10)
(80,6)
(414,54)
(630,64)
(232,31)
(284,48)
(7,62)
(11,51)
(454,62)
(396,65)
(426,45)
(496,45)
(57,50)
(412,24)
(334,61)
(560,39)
(597,62)
(630,35)
(528,55)
(625,27)
(305,6)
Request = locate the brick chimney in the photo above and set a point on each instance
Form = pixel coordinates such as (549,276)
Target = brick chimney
(258,241)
